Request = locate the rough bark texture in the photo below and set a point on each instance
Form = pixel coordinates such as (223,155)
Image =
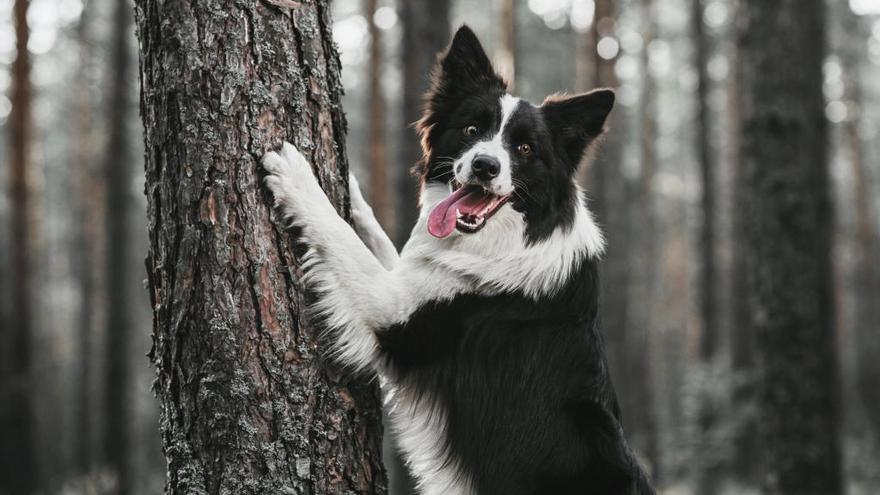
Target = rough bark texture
(425,33)
(17,455)
(788,242)
(118,174)
(248,404)
(377,160)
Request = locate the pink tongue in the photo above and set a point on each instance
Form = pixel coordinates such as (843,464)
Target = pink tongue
(441,221)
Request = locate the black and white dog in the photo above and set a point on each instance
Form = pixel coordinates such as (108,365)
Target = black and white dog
(483,330)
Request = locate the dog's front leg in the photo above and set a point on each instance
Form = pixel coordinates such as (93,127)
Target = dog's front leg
(368,228)
(355,292)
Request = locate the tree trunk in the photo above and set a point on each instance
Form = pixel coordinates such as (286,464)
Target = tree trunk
(118,179)
(18,472)
(380,199)
(643,209)
(611,193)
(866,270)
(788,242)
(707,467)
(740,331)
(248,405)
(505,54)
(425,33)
(87,255)
(708,173)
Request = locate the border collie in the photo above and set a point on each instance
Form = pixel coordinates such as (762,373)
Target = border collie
(483,331)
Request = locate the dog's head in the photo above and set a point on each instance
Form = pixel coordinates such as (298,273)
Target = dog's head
(491,150)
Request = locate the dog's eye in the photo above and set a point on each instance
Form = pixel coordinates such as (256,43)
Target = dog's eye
(525,149)
(470,130)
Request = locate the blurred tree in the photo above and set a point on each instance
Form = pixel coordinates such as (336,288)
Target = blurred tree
(708,173)
(788,241)
(707,476)
(425,33)
(644,215)
(87,255)
(505,53)
(248,405)
(118,445)
(612,194)
(380,198)
(866,318)
(18,470)
(741,331)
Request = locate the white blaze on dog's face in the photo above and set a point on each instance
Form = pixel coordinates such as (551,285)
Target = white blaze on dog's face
(493,151)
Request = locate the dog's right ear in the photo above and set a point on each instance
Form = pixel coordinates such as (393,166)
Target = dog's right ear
(464,65)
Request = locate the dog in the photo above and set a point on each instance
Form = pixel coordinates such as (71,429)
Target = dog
(483,331)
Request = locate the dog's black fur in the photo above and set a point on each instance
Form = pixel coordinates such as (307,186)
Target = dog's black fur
(529,404)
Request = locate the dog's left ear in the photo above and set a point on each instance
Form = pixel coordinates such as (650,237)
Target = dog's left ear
(577,121)
(464,65)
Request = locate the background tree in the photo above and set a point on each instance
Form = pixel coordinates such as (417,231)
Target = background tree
(247,404)
(784,149)
(380,199)
(119,173)
(425,33)
(18,470)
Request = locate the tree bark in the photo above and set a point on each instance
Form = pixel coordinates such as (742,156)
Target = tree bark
(380,199)
(248,405)
(788,242)
(18,470)
(425,33)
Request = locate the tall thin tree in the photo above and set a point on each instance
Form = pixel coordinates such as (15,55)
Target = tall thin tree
(377,149)
(783,150)
(119,172)
(87,260)
(18,470)
(248,405)
(425,28)
(505,53)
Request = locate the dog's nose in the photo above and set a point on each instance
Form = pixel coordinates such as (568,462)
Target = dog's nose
(485,167)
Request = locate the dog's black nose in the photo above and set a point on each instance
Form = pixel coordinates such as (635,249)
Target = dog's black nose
(485,167)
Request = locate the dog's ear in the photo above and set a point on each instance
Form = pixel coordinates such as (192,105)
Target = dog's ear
(465,64)
(576,121)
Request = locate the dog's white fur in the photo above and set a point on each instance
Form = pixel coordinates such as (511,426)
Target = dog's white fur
(365,290)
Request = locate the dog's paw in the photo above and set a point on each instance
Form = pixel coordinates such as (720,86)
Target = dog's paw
(291,180)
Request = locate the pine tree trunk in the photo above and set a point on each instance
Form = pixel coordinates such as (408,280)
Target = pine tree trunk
(425,33)
(249,406)
(18,470)
(788,243)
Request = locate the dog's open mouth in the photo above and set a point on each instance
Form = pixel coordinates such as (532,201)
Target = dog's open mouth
(467,208)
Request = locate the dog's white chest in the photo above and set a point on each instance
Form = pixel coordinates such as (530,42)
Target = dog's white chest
(419,431)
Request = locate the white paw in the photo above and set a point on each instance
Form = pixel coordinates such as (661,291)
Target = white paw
(293,185)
